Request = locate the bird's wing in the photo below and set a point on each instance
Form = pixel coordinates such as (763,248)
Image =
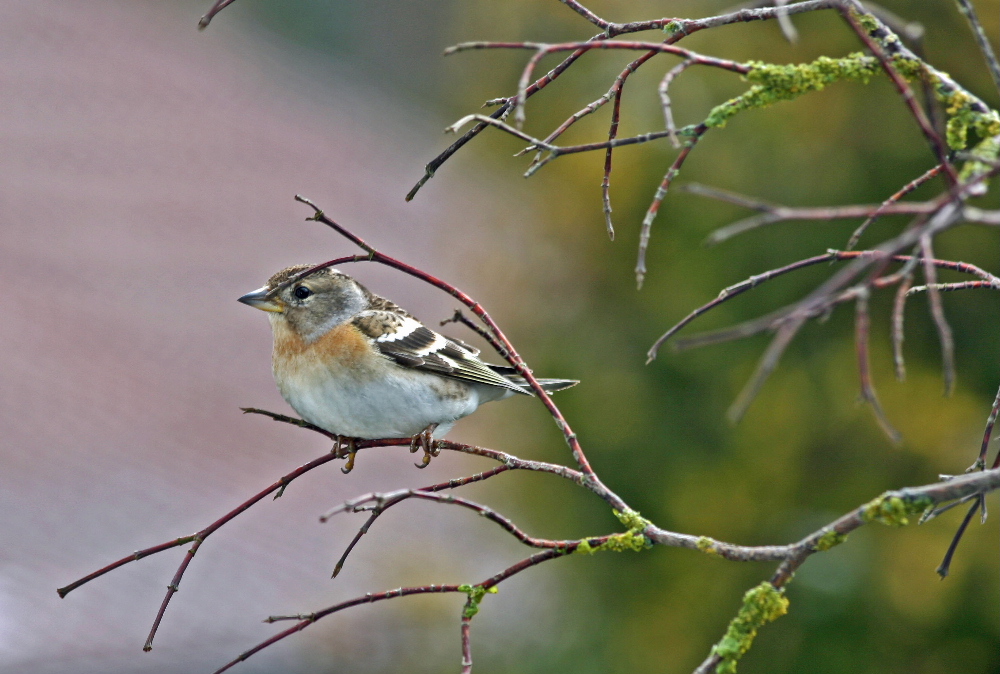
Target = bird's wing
(411,344)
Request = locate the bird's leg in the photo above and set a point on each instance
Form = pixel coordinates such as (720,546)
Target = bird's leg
(425,440)
(352,450)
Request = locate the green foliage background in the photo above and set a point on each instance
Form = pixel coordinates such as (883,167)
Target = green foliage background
(807,451)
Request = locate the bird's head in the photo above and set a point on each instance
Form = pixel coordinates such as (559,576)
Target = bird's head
(310,306)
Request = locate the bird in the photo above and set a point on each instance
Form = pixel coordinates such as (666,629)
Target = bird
(358,366)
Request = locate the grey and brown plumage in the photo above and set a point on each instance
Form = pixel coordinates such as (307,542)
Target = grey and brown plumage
(358,365)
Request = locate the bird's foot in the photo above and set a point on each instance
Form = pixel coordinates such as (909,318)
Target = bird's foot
(425,440)
(352,450)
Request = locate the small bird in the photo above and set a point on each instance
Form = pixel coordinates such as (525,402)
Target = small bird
(357,365)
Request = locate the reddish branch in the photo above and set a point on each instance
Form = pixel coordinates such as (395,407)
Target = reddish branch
(850,12)
(681,28)
(790,555)
(879,39)
(864,273)
(887,205)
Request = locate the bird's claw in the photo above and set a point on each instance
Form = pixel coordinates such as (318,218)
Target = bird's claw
(425,440)
(352,451)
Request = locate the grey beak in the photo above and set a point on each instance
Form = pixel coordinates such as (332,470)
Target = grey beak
(258,299)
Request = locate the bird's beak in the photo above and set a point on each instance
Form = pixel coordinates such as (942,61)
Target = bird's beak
(258,299)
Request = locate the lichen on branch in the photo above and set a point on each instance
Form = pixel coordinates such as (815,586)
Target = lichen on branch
(761,605)
(783,82)
(893,510)
(476,594)
(634,539)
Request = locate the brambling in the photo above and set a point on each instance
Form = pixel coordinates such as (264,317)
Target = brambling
(358,366)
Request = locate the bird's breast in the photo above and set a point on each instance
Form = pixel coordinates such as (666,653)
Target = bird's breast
(341,383)
(342,349)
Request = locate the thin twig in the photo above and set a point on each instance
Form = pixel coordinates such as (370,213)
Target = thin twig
(213,10)
(543,49)
(906,189)
(308,619)
(833,256)
(861,330)
(513,357)
(945,566)
(384,502)
(466,638)
(668,113)
(937,312)
(785,21)
(951,287)
(658,197)
(459,317)
(616,109)
(988,433)
(984,43)
(936,143)
(898,311)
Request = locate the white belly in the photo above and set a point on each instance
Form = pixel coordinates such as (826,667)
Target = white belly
(362,406)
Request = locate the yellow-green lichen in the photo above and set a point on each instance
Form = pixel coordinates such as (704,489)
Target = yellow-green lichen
(987,151)
(761,605)
(707,545)
(629,540)
(631,519)
(673,28)
(866,21)
(634,539)
(893,510)
(476,594)
(963,117)
(773,82)
(829,540)
(960,107)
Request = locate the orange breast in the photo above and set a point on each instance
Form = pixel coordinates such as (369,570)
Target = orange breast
(342,348)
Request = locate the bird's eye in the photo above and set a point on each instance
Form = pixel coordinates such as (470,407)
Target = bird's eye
(302,292)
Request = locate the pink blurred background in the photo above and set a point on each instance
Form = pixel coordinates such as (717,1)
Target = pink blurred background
(146,181)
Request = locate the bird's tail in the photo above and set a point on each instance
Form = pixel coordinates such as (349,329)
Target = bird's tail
(548,385)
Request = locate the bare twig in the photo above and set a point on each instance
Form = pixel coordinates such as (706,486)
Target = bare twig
(881,210)
(668,114)
(898,308)
(870,41)
(383,502)
(937,312)
(616,109)
(785,22)
(459,317)
(861,329)
(987,434)
(513,357)
(658,197)
(543,49)
(833,256)
(945,565)
(306,620)
(984,43)
(466,638)
(213,10)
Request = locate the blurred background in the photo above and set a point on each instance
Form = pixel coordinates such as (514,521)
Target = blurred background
(146,181)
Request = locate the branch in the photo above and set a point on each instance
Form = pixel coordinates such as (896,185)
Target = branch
(832,256)
(771,213)
(887,204)
(513,357)
(480,588)
(893,508)
(984,43)
(871,38)
(213,10)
